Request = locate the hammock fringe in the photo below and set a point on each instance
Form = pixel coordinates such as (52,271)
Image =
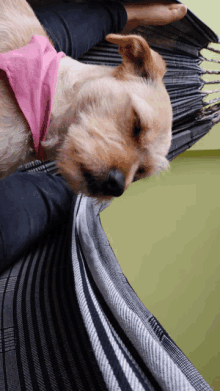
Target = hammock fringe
(210,92)
(210,60)
(211,82)
(207,72)
(213,50)
(211,101)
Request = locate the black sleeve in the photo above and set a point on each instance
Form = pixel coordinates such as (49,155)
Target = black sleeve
(31,204)
(76,28)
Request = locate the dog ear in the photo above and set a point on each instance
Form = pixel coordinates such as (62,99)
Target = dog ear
(137,57)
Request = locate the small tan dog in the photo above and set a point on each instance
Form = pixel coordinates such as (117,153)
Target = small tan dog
(108,127)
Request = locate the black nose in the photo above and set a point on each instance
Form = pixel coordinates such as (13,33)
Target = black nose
(115,183)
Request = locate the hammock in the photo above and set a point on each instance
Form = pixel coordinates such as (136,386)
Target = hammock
(131,349)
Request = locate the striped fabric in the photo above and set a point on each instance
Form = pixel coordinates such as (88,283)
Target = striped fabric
(44,344)
(69,318)
(71,321)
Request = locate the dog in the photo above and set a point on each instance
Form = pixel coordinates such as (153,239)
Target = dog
(109,126)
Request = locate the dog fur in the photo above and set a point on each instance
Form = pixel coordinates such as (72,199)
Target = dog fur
(109,126)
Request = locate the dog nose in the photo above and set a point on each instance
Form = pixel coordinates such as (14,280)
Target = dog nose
(115,183)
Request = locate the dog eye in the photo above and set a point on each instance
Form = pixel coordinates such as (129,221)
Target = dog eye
(140,171)
(136,127)
(139,62)
(136,131)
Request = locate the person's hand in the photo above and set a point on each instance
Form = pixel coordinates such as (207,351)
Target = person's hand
(148,13)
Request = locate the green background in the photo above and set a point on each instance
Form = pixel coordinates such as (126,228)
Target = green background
(165,233)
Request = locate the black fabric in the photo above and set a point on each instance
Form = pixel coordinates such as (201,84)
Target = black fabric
(44,343)
(31,204)
(75,28)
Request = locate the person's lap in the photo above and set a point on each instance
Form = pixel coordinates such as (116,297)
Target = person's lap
(76,27)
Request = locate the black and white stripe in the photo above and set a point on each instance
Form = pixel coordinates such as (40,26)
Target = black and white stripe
(169,368)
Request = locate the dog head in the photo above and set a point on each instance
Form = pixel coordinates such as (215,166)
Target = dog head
(120,127)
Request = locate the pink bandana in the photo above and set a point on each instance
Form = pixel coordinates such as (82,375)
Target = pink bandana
(32,72)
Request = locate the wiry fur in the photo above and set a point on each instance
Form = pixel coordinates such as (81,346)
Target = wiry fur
(103,118)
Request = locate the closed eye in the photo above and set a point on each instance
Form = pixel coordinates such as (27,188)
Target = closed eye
(139,173)
(136,131)
(136,127)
